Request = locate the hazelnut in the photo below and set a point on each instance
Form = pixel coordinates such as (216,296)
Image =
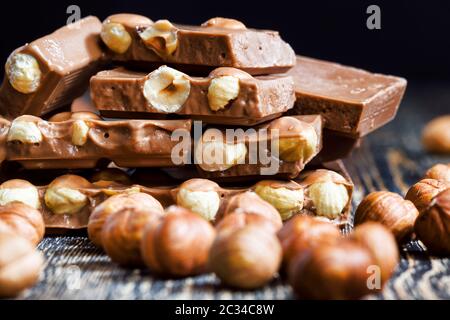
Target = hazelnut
(122,234)
(331,271)
(245,258)
(20,264)
(80,131)
(286,197)
(436,135)
(226,23)
(111,175)
(424,191)
(439,172)
(167,89)
(138,201)
(222,91)
(200,196)
(212,153)
(23,72)
(381,244)
(25,130)
(63,196)
(60,117)
(178,243)
(303,233)
(433,225)
(116,37)
(250,203)
(161,37)
(21,191)
(296,141)
(23,220)
(67,115)
(234,221)
(391,210)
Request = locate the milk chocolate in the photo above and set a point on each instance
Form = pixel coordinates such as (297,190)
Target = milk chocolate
(299,140)
(352,101)
(120,93)
(80,142)
(63,63)
(205,47)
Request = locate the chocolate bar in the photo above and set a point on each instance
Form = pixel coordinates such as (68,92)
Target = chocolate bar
(82,141)
(352,101)
(251,153)
(51,71)
(227,96)
(219,42)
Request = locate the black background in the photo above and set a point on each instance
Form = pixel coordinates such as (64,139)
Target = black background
(414,41)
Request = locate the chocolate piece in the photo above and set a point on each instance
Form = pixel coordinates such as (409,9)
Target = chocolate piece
(352,101)
(250,154)
(250,100)
(137,40)
(82,142)
(51,71)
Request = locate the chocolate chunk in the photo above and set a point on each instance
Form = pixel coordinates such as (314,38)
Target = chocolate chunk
(228,96)
(352,101)
(51,71)
(137,40)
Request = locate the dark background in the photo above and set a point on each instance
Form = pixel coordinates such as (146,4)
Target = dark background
(414,41)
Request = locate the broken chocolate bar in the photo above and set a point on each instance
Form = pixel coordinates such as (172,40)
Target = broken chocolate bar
(219,42)
(51,71)
(280,148)
(82,141)
(227,96)
(352,101)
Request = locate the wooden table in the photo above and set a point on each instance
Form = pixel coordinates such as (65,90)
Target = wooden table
(389,159)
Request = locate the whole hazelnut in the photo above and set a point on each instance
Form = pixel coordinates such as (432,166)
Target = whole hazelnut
(436,135)
(381,244)
(439,171)
(331,271)
(178,243)
(20,264)
(234,221)
(23,220)
(391,210)
(424,191)
(433,225)
(139,201)
(250,203)
(246,258)
(122,234)
(304,232)
(21,191)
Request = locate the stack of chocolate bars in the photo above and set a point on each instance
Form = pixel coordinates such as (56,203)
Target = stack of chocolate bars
(132,104)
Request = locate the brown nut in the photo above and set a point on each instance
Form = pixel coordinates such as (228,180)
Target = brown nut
(63,196)
(436,135)
(178,243)
(424,191)
(381,244)
(391,210)
(302,233)
(250,203)
(110,176)
(246,258)
(332,271)
(433,225)
(138,201)
(226,23)
(234,221)
(201,196)
(21,191)
(23,220)
(439,171)
(20,265)
(122,234)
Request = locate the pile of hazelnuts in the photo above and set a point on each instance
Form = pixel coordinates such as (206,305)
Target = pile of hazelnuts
(248,246)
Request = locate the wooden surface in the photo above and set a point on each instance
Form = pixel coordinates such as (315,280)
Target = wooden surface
(390,159)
